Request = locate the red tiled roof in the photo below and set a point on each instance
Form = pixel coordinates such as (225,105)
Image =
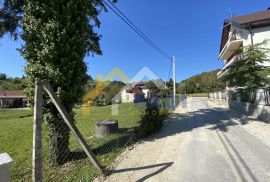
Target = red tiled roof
(11,94)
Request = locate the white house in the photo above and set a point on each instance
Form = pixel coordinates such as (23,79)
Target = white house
(242,31)
(134,92)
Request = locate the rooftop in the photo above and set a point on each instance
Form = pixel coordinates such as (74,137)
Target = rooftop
(249,18)
(11,94)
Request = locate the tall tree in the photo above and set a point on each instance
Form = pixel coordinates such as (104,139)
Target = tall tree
(250,70)
(57,35)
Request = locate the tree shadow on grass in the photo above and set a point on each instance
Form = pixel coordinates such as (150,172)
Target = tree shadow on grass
(123,138)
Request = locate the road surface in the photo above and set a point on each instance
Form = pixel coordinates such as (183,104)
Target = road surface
(205,144)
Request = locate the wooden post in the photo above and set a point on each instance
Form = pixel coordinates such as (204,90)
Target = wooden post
(71,125)
(37,142)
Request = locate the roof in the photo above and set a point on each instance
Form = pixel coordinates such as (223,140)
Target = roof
(249,18)
(136,90)
(11,94)
(254,20)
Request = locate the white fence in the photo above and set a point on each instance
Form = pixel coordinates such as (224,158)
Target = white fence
(250,102)
(255,97)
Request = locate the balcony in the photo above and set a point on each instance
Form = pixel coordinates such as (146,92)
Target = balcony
(224,70)
(222,73)
(230,47)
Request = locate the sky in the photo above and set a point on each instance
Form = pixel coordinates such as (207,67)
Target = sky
(190,30)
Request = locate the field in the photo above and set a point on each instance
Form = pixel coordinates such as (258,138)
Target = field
(16,140)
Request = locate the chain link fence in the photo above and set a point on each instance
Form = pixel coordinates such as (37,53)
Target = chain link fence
(107,135)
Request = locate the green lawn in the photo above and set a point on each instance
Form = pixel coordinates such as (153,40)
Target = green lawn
(16,140)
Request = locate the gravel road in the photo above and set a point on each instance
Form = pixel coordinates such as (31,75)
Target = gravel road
(204,143)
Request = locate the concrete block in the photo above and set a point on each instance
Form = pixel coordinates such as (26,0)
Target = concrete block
(5,163)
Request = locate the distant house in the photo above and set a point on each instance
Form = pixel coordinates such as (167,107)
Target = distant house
(134,92)
(239,32)
(12,99)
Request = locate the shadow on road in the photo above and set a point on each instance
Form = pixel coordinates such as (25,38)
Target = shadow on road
(218,119)
(162,167)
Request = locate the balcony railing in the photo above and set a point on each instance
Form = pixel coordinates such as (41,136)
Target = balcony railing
(231,46)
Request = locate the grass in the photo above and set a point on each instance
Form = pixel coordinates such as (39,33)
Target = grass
(198,95)
(16,140)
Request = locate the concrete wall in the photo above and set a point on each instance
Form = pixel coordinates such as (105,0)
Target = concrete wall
(260,112)
(258,109)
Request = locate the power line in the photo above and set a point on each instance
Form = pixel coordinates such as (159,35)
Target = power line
(135,28)
(170,71)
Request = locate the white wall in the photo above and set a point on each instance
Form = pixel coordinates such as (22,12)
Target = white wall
(259,35)
(146,93)
(126,97)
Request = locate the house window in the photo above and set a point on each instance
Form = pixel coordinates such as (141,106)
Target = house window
(127,97)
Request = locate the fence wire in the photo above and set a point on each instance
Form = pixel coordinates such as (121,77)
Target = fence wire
(107,139)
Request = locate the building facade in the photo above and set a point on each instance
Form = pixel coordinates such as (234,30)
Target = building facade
(12,99)
(134,92)
(242,31)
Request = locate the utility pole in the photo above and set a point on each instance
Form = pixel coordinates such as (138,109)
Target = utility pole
(174,80)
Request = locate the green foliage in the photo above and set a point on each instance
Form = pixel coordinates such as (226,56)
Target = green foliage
(248,71)
(201,83)
(58,34)
(157,88)
(3,76)
(152,119)
(9,83)
(108,93)
(232,95)
(16,139)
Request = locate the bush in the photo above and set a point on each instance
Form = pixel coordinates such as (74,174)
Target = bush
(152,119)
(232,95)
(244,95)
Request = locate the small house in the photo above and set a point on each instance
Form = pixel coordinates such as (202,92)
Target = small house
(134,92)
(12,99)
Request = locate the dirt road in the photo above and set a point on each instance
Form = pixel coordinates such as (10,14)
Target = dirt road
(206,144)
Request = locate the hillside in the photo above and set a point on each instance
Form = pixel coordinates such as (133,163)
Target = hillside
(10,83)
(201,83)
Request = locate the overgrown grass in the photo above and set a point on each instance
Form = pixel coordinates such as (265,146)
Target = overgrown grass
(16,140)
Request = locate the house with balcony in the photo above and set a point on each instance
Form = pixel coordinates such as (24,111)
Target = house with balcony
(239,32)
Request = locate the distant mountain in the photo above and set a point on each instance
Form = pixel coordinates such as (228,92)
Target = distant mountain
(201,83)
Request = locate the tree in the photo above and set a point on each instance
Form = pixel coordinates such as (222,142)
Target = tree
(157,88)
(57,35)
(106,96)
(249,71)
(201,83)
(3,76)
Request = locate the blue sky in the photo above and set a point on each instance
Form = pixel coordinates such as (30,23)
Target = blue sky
(190,30)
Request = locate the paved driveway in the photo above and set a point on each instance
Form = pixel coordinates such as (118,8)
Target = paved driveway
(205,144)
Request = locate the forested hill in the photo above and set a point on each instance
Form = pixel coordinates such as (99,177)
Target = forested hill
(201,83)
(10,83)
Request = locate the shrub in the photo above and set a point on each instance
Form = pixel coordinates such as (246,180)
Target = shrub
(232,95)
(244,95)
(152,119)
